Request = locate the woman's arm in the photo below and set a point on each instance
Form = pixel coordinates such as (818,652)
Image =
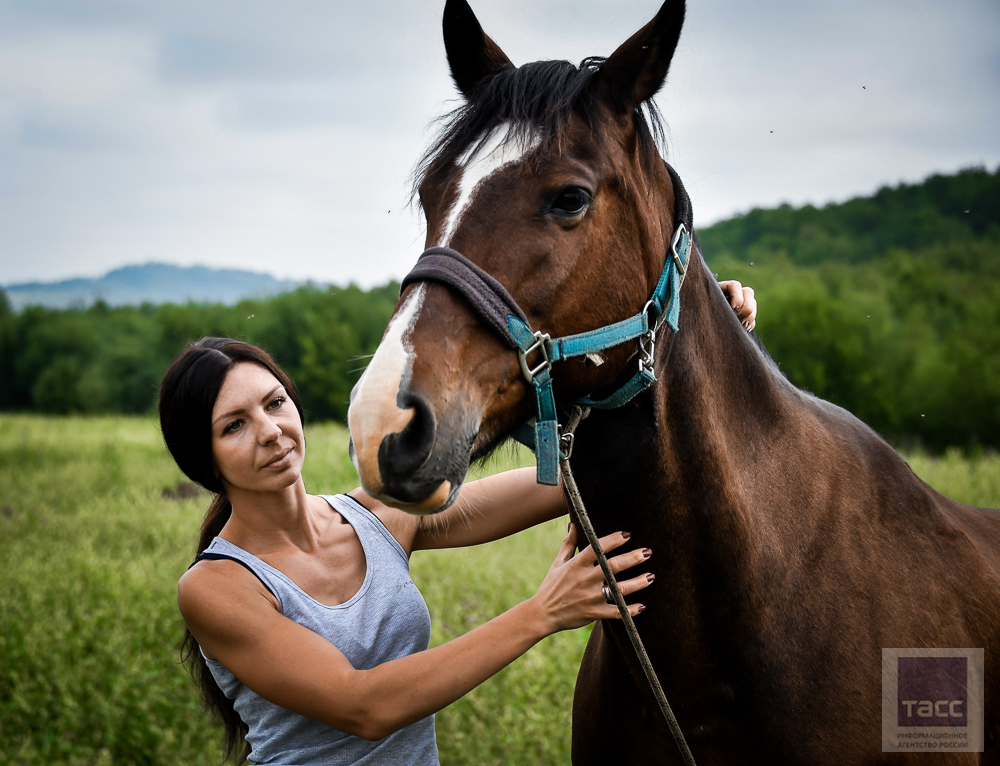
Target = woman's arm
(234,620)
(491,508)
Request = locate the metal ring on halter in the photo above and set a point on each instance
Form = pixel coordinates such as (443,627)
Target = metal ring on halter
(566,444)
(607,594)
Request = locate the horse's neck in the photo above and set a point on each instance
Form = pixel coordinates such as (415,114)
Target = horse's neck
(721,400)
(678,457)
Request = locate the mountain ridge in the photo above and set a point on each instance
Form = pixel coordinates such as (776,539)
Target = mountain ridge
(151,282)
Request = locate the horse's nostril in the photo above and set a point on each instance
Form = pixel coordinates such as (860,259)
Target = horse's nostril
(402,454)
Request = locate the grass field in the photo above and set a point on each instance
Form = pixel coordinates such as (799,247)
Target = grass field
(92,548)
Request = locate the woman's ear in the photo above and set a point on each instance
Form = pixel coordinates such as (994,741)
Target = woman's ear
(636,71)
(472,56)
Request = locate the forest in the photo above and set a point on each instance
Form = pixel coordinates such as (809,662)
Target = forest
(888,305)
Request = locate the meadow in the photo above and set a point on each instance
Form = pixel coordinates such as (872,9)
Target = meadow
(93,539)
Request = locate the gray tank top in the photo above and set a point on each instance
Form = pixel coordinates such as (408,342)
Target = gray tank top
(386,619)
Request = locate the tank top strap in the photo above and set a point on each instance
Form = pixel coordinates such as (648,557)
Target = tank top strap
(368,526)
(209,555)
(276,582)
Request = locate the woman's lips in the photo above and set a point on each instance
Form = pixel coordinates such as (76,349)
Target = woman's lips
(280,461)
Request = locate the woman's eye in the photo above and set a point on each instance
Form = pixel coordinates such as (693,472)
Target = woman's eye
(234,426)
(571,202)
(277,402)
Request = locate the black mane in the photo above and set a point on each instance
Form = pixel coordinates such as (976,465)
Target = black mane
(539,98)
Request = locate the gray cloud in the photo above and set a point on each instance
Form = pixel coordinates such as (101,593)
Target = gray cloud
(279,136)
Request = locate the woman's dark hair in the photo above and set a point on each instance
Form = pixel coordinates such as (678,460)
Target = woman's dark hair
(187,397)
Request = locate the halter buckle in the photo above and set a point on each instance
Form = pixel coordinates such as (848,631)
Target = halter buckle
(541,339)
(647,349)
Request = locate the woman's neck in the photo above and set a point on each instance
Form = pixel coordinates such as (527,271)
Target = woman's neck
(269,521)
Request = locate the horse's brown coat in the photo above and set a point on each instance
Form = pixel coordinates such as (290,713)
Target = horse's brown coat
(791,542)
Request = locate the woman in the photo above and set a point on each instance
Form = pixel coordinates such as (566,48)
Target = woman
(304,629)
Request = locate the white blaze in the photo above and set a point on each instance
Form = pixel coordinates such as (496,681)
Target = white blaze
(501,148)
(374,413)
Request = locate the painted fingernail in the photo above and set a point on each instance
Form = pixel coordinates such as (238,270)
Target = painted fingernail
(650,577)
(646,553)
(626,535)
(642,608)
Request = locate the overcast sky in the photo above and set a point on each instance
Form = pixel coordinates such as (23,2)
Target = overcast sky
(279,137)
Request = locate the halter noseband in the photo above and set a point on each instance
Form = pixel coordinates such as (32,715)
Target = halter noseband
(500,312)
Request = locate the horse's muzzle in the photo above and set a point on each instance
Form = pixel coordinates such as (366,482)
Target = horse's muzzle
(418,468)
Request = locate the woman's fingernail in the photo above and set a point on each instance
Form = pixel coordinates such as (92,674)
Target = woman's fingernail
(646,553)
(650,577)
(626,535)
(642,608)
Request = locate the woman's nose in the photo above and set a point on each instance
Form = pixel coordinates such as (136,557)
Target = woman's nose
(269,431)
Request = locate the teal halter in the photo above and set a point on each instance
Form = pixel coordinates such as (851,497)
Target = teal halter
(500,311)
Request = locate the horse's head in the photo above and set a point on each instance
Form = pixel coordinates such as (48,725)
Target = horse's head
(549,179)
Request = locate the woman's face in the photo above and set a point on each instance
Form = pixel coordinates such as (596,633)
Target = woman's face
(257,439)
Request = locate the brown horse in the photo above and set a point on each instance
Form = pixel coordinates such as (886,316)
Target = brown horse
(792,543)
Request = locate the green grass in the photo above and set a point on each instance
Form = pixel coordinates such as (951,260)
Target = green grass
(89,632)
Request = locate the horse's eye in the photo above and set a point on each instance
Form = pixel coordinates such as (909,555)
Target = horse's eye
(571,202)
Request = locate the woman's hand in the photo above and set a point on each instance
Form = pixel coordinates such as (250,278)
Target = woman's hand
(742,300)
(570,595)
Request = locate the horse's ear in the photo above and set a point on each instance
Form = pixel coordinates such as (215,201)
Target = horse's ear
(472,55)
(635,72)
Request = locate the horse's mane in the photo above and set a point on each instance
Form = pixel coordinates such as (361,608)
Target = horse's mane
(537,98)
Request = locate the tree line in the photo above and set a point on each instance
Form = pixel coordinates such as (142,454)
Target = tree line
(104,359)
(887,305)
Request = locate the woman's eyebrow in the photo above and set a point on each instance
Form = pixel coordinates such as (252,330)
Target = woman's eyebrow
(263,400)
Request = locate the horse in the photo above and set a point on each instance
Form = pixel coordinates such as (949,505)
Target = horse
(793,545)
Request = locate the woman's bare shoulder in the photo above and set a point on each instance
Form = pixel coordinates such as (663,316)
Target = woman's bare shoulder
(215,596)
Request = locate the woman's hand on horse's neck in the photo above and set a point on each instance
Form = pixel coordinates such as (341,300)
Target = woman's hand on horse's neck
(742,300)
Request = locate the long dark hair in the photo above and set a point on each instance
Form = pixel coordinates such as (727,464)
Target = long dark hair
(187,397)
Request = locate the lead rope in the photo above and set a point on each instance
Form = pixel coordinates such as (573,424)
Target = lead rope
(578,414)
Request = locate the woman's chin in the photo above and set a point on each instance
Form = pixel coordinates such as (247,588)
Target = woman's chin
(280,481)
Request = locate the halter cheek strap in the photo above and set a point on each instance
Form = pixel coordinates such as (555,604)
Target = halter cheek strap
(500,311)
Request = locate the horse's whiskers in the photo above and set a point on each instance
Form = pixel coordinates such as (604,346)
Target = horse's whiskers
(468,511)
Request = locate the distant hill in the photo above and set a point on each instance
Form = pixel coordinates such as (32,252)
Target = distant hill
(149,283)
(941,210)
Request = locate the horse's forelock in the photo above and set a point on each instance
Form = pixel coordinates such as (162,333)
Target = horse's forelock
(537,101)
